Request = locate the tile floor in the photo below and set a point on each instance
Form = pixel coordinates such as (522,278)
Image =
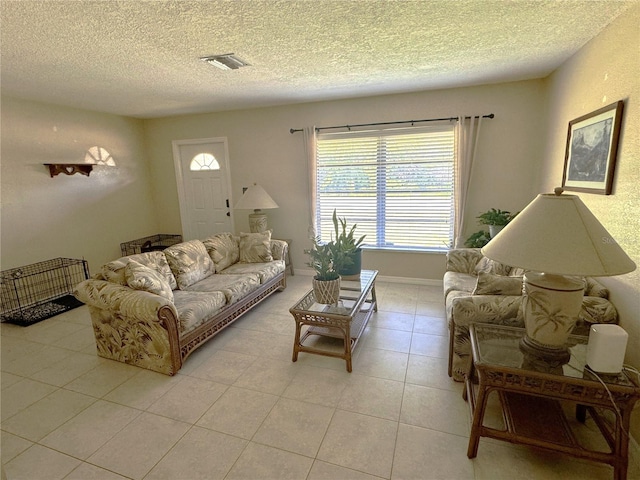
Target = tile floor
(240,409)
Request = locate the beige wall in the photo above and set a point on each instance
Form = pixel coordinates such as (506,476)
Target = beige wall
(262,150)
(604,71)
(70,216)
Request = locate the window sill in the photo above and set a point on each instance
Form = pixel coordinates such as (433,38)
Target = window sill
(436,251)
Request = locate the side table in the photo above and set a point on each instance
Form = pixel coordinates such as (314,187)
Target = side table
(530,393)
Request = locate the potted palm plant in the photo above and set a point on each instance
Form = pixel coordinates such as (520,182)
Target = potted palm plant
(325,259)
(348,247)
(496,219)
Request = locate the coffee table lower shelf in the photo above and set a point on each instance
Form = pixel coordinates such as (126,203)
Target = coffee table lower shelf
(347,329)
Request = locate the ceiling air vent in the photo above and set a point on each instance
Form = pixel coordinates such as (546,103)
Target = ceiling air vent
(228,61)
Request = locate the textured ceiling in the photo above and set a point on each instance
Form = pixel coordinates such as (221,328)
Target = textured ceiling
(141,58)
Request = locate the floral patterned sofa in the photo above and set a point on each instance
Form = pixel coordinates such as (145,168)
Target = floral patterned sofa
(477,289)
(153,309)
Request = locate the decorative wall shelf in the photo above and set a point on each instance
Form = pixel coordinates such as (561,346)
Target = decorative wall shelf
(69,168)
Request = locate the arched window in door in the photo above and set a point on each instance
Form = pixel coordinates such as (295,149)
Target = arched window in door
(204,161)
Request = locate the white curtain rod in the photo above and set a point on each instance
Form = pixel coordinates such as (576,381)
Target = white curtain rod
(294,130)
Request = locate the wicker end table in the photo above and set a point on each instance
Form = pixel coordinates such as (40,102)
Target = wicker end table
(347,320)
(530,393)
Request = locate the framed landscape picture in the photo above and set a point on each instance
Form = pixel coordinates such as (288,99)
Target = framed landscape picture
(592,147)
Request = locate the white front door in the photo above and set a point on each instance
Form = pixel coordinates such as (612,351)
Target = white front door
(203,180)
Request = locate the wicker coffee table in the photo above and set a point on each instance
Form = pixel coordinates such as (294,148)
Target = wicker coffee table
(530,392)
(346,321)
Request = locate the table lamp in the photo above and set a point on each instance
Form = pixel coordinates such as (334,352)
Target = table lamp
(255,198)
(556,240)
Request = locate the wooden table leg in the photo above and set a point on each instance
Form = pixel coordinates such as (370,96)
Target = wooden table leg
(478,417)
(296,341)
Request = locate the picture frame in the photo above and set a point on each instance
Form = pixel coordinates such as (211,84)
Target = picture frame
(592,149)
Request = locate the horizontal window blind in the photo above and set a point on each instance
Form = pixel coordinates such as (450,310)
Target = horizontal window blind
(396,184)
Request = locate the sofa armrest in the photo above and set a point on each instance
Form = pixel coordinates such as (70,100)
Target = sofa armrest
(132,326)
(463,260)
(279,249)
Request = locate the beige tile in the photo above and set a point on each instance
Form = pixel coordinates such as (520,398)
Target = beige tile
(68,369)
(381,363)
(21,394)
(43,357)
(12,446)
(79,340)
(90,429)
(268,463)
(430,325)
(392,321)
(326,471)
(386,339)
(44,416)
(267,375)
(430,345)
(188,399)
(317,385)
(431,372)
(224,366)
(38,462)
(295,426)
(377,397)
(420,450)
(200,454)
(360,442)
(238,412)
(431,309)
(142,389)
(442,410)
(86,471)
(135,449)
(103,378)
(8,379)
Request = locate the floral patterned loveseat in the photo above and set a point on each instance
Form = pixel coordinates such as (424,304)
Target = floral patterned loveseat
(153,309)
(478,289)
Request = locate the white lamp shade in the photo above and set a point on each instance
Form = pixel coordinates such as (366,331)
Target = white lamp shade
(558,234)
(255,198)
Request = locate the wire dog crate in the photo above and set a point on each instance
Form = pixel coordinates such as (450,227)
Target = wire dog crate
(41,290)
(150,243)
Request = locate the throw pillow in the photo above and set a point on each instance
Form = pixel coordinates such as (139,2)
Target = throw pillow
(255,247)
(491,266)
(490,284)
(141,277)
(189,262)
(114,270)
(223,249)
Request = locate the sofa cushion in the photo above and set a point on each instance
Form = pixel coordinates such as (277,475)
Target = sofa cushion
(223,249)
(265,271)
(491,266)
(490,284)
(194,308)
(141,277)
(255,247)
(234,287)
(458,282)
(114,271)
(189,262)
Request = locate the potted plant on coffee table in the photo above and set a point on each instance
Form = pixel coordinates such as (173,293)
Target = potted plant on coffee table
(348,247)
(496,219)
(325,258)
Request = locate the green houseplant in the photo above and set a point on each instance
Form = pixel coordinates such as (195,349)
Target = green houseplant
(325,260)
(496,219)
(347,247)
(478,239)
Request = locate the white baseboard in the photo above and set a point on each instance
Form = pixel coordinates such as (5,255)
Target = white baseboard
(384,278)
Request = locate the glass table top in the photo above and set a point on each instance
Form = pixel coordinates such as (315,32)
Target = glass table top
(499,346)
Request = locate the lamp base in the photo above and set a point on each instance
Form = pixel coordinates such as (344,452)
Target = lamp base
(258,222)
(542,356)
(550,305)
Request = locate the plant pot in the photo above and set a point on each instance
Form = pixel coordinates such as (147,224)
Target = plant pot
(355,267)
(326,291)
(495,229)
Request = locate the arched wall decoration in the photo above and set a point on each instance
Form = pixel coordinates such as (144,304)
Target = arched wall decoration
(94,156)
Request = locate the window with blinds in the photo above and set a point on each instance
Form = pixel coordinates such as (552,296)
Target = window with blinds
(397,185)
